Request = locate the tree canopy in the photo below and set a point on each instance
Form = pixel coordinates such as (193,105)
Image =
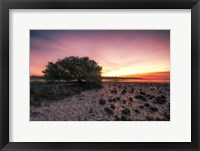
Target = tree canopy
(74,68)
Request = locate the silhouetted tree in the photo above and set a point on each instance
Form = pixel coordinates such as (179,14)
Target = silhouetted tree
(52,71)
(74,68)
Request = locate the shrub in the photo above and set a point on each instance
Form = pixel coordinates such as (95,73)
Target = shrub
(137,111)
(140,97)
(112,106)
(154,109)
(73,68)
(109,111)
(160,100)
(102,101)
(126,111)
(146,104)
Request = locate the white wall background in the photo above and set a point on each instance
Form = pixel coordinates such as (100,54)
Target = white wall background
(178,129)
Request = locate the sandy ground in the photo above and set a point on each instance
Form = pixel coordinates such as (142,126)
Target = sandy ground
(113,102)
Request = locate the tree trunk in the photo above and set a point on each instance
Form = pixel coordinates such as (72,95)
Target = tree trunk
(79,80)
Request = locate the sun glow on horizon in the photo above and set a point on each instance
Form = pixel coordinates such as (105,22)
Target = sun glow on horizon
(127,71)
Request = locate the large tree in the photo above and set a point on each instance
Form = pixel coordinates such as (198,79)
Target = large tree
(74,68)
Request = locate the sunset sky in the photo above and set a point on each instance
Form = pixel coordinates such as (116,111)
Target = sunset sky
(127,53)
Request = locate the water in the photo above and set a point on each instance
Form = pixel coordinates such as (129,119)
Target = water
(118,80)
(136,80)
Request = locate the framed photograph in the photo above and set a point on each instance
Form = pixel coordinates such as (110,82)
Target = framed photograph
(99,75)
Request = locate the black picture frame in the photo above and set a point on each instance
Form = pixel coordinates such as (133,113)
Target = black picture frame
(5,5)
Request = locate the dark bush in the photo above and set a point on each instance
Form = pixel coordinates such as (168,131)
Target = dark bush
(149,118)
(112,100)
(137,111)
(102,101)
(146,104)
(109,111)
(114,91)
(90,111)
(140,97)
(123,118)
(123,92)
(154,109)
(141,106)
(117,98)
(112,106)
(142,93)
(131,99)
(126,111)
(160,100)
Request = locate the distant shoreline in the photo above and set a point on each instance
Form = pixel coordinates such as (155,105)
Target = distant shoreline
(121,78)
(116,79)
(134,81)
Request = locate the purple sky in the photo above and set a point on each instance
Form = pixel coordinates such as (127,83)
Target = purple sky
(119,52)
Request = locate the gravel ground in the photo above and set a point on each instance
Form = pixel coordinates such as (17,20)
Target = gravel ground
(113,102)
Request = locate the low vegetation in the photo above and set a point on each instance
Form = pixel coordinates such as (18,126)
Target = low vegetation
(54,91)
